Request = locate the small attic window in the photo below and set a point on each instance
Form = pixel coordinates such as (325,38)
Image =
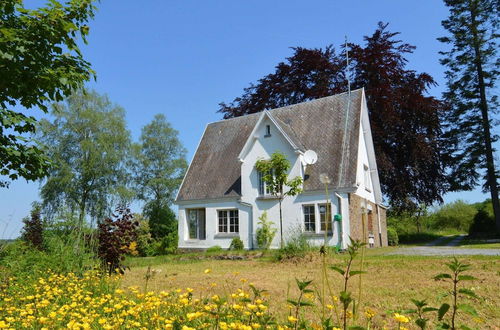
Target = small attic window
(268,131)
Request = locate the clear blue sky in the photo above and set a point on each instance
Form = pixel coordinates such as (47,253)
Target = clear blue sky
(181,58)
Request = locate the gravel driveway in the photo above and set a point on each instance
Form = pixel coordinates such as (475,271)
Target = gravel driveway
(433,249)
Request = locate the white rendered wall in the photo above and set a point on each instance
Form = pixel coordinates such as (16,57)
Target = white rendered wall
(211,223)
(365,189)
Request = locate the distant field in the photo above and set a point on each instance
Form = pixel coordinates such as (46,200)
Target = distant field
(389,285)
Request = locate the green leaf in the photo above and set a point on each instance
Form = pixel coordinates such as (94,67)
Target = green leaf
(421,323)
(442,311)
(467,309)
(468,292)
(356,327)
(442,276)
(466,278)
(429,309)
(357,272)
(338,270)
(302,284)
(465,327)
(293,302)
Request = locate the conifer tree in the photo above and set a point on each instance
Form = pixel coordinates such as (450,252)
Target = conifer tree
(472,67)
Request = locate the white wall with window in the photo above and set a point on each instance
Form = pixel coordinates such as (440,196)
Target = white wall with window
(206,224)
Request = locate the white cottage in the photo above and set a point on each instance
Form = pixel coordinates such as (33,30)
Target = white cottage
(222,195)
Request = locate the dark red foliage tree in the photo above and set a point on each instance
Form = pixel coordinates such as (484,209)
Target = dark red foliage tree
(116,237)
(32,232)
(405,120)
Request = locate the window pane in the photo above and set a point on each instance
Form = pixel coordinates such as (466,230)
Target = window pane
(222,221)
(309,218)
(193,223)
(325,217)
(233,221)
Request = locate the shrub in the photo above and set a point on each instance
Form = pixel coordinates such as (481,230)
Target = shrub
(32,232)
(458,215)
(296,246)
(214,249)
(265,233)
(116,239)
(483,224)
(392,236)
(236,244)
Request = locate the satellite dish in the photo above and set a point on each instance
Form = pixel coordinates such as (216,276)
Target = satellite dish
(310,157)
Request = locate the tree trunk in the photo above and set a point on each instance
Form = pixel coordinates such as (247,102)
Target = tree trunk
(483,105)
(281,226)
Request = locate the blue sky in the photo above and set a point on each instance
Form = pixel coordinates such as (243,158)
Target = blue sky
(181,58)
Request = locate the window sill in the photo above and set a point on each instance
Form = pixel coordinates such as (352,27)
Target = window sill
(227,235)
(267,197)
(311,234)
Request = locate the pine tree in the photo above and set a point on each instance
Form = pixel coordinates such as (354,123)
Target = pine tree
(472,67)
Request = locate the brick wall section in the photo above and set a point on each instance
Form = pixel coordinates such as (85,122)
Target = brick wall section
(356,205)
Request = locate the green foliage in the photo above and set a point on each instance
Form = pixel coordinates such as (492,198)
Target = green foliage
(275,176)
(89,144)
(236,244)
(392,236)
(456,215)
(265,233)
(483,223)
(472,71)
(40,61)
(214,249)
(455,278)
(296,247)
(158,164)
(162,220)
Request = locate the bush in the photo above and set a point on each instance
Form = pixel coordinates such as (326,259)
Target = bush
(483,224)
(32,232)
(117,238)
(392,236)
(214,249)
(236,244)
(296,246)
(265,233)
(458,215)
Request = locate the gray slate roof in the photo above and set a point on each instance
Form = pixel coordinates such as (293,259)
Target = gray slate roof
(215,171)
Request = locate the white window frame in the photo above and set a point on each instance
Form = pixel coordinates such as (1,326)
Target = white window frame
(262,185)
(313,214)
(320,230)
(228,225)
(317,217)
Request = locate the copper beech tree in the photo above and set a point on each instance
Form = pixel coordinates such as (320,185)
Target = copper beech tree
(404,119)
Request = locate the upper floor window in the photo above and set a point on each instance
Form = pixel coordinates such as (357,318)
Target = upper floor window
(263,187)
(268,131)
(228,221)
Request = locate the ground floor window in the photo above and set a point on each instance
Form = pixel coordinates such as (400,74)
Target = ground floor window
(196,223)
(313,222)
(325,217)
(309,218)
(228,221)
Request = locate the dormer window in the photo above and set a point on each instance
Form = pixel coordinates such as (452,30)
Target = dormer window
(268,131)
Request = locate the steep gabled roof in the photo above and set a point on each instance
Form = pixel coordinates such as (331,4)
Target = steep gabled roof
(318,125)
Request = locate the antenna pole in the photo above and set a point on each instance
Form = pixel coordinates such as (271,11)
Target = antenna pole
(347,67)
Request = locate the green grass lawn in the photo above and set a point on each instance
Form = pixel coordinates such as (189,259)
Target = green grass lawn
(389,285)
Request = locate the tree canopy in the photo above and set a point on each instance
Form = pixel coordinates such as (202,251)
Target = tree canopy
(89,145)
(404,119)
(158,165)
(472,69)
(40,61)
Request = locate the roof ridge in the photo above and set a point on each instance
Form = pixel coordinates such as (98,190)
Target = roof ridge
(287,106)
